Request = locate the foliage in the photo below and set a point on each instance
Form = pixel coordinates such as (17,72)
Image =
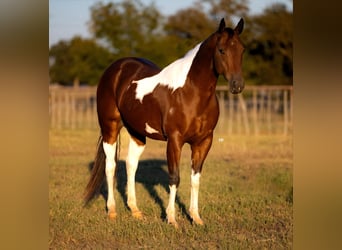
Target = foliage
(78,60)
(225,8)
(190,25)
(269,45)
(130,28)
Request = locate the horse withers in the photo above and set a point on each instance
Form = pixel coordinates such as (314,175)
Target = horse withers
(177,104)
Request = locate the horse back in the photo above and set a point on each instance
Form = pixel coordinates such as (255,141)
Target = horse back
(122,72)
(116,92)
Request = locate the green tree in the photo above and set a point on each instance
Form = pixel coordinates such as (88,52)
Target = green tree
(78,59)
(186,28)
(190,26)
(130,28)
(269,46)
(229,9)
(127,27)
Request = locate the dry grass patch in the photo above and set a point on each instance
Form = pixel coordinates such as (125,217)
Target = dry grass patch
(245,196)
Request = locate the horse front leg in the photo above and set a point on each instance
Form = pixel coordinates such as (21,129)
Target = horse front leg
(198,155)
(174,147)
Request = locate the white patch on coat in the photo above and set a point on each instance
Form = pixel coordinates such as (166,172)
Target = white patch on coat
(171,111)
(150,130)
(173,76)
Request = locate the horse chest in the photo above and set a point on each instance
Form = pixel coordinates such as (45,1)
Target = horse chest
(190,121)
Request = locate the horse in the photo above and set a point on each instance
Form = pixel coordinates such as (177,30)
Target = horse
(177,104)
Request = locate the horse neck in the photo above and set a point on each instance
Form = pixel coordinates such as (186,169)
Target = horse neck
(202,73)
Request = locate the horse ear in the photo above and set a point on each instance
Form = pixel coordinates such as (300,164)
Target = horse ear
(239,26)
(222,26)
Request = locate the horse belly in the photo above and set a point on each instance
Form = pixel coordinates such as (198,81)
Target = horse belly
(143,119)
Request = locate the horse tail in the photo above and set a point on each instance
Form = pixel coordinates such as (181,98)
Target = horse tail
(97,173)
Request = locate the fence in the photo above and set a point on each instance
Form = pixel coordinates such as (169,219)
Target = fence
(258,110)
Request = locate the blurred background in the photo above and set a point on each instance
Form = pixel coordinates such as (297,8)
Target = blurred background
(86,36)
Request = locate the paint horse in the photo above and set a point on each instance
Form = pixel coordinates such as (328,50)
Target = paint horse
(177,104)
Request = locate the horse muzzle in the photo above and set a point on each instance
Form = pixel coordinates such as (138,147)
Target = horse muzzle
(236,85)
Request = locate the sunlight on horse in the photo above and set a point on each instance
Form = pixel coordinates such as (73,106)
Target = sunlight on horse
(177,104)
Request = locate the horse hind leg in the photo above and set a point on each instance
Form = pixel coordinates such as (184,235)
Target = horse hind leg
(135,149)
(110,133)
(110,150)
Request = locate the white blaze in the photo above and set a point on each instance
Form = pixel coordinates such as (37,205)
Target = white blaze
(172,76)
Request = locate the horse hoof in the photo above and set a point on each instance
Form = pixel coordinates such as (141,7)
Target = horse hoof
(173,223)
(198,221)
(196,218)
(138,215)
(112,215)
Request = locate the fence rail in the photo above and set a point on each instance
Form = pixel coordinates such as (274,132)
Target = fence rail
(258,110)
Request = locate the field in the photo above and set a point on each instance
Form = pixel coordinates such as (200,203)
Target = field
(245,197)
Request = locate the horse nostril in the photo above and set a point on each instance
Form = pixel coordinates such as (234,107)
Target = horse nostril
(236,85)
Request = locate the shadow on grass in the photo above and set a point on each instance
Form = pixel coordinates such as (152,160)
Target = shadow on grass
(150,173)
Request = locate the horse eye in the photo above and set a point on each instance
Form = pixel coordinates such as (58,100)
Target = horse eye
(221,51)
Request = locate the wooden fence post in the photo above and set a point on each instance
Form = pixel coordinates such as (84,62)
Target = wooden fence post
(285,113)
(255,112)
(231,113)
(269,111)
(244,113)
(73,111)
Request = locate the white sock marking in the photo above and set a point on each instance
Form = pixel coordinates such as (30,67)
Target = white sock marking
(171,207)
(134,153)
(150,130)
(195,181)
(110,170)
(172,76)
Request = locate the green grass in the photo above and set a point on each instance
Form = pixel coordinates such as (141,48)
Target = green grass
(245,196)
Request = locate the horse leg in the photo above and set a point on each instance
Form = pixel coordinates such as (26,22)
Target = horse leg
(110,131)
(199,153)
(135,149)
(174,146)
(109,150)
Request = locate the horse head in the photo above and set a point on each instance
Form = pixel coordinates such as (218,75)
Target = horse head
(228,55)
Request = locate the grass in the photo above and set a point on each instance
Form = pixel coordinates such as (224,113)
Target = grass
(245,196)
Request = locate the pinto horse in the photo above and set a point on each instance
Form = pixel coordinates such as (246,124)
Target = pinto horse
(177,104)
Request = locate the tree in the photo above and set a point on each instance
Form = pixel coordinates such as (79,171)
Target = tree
(185,29)
(130,28)
(229,9)
(269,47)
(78,59)
(126,27)
(190,26)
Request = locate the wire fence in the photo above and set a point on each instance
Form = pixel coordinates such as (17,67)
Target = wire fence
(258,110)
